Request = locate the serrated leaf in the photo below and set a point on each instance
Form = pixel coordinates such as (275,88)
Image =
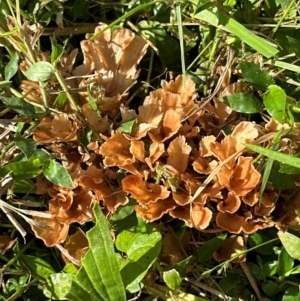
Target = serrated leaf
(40,71)
(37,265)
(205,252)
(99,278)
(142,246)
(26,145)
(291,243)
(243,103)
(281,157)
(99,275)
(23,170)
(12,67)
(253,74)
(172,279)
(20,106)
(275,102)
(57,174)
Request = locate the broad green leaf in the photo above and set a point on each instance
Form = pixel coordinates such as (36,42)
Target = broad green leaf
(41,154)
(280,180)
(291,294)
(37,265)
(100,270)
(99,278)
(281,157)
(275,102)
(20,106)
(255,270)
(58,286)
(205,252)
(269,268)
(126,127)
(124,217)
(56,52)
(12,67)
(70,268)
(40,71)
(243,103)
(270,288)
(258,77)
(142,245)
(168,48)
(57,174)
(172,279)
(214,16)
(26,145)
(295,44)
(285,263)
(23,170)
(291,243)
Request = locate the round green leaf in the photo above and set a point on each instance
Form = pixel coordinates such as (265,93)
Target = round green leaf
(40,71)
(291,294)
(275,102)
(243,103)
(172,279)
(291,243)
(12,67)
(58,175)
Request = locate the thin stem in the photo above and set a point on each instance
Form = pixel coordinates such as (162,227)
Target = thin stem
(199,55)
(65,89)
(236,256)
(44,95)
(149,73)
(282,18)
(180,31)
(23,289)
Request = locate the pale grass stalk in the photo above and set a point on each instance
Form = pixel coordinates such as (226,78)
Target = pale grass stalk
(67,254)
(251,280)
(209,289)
